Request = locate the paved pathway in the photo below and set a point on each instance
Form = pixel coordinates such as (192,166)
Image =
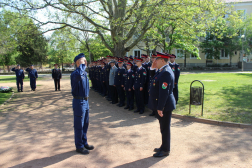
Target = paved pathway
(36,130)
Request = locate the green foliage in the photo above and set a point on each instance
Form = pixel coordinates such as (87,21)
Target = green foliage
(63,47)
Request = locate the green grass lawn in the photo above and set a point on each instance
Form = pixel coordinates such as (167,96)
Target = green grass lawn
(9,79)
(4,97)
(228,96)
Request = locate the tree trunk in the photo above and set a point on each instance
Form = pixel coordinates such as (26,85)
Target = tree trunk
(185,61)
(62,66)
(8,68)
(119,50)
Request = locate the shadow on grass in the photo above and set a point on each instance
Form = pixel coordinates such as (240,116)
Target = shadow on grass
(238,104)
(245,74)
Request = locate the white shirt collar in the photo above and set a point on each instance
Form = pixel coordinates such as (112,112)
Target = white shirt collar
(140,67)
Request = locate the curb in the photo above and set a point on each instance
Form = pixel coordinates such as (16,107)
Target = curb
(7,100)
(213,122)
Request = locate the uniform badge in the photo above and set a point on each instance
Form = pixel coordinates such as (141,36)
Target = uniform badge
(173,69)
(164,85)
(118,73)
(154,84)
(139,76)
(178,68)
(144,73)
(133,75)
(128,77)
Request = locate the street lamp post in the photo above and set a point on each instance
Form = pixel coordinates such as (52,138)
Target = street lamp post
(242,38)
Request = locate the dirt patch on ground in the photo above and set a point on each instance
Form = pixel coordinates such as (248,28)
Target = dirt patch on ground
(36,130)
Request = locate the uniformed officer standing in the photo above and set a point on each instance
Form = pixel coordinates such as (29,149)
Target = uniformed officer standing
(19,77)
(147,66)
(102,79)
(56,75)
(128,86)
(153,58)
(139,81)
(112,73)
(119,82)
(107,68)
(80,92)
(33,74)
(162,99)
(176,70)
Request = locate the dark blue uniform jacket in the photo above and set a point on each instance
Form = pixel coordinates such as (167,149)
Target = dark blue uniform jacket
(161,95)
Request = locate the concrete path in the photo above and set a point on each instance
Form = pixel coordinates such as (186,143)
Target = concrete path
(36,130)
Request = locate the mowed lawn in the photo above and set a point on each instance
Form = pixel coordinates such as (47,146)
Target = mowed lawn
(228,96)
(4,97)
(9,79)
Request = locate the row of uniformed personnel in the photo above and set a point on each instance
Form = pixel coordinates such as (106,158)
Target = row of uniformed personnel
(119,78)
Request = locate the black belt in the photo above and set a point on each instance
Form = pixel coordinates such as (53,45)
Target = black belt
(81,98)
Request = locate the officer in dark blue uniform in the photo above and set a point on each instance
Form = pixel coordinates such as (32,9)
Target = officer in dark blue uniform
(56,75)
(102,79)
(176,70)
(33,74)
(128,86)
(153,58)
(80,92)
(107,69)
(162,100)
(19,77)
(147,66)
(139,81)
(119,82)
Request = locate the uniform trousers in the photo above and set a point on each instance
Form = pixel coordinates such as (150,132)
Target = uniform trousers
(81,122)
(57,84)
(104,89)
(175,92)
(165,125)
(140,99)
(19,82)
(146,93)
(121,94)
(33,83)
(114,95)
(130,98)
(107,89)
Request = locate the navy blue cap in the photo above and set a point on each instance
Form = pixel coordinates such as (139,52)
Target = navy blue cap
(81,55)
(18,65)
(31,65)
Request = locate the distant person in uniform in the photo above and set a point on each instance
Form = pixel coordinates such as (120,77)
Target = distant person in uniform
(162,100)
(56,75)
(139,84)
(176,70)
(128,86)
(19,77)
(153,58)
(33,74)
(112,86)
(80,92)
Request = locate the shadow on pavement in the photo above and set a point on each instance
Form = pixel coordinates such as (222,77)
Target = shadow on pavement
(146,162)
(47,161)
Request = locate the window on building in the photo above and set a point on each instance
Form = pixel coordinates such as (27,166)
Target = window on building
(180,53)
(223,54)
(137,53)
(242,13)
(193,56)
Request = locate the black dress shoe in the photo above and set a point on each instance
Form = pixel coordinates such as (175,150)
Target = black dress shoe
(141,112)
(152,114)
(82,151)
(127,107)
(89,147)
(121,105)
(59,90)
(156,149)
(161,154)
(118,104)
(136,111)
(131,109)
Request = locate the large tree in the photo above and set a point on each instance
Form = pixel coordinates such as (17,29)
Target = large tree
(121,19)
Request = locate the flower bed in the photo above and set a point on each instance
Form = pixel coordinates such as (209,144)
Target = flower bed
(5,89)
